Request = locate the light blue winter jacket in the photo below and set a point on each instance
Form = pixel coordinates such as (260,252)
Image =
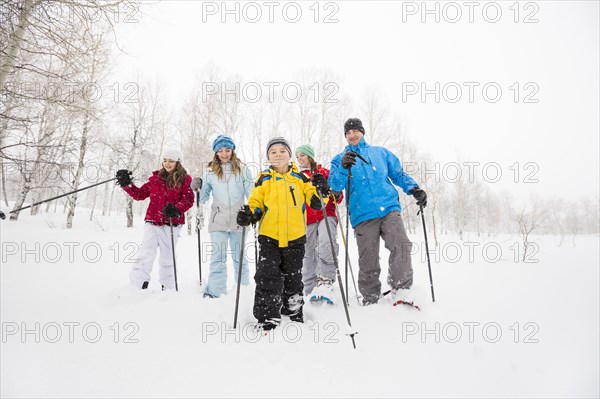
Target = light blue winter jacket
(372,194)
(228,196)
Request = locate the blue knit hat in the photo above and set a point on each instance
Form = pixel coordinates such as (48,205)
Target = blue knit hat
(223,141)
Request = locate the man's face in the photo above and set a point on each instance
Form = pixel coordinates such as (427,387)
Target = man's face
(353,137)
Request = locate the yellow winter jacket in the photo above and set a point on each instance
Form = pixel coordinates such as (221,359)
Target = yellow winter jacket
(282,200)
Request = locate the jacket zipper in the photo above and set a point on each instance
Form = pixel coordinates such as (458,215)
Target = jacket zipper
(228,198)
(292,192)
(215,215)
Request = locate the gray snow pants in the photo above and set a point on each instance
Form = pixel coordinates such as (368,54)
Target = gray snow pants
(400,274)
(318,259)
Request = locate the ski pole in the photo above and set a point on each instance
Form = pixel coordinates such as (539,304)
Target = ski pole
(348,215)
(358,296)
(3,216)
(199,225)
(427,251)
(347,260)
(255,247)
(337,268)
(239,280)
(173,251)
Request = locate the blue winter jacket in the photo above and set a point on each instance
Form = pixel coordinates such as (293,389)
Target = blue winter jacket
(372,194)
(228,196)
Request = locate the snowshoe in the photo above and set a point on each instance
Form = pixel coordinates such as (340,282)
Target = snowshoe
(263,327)
(294,315)
(402,302)
(323,293)
(402,297)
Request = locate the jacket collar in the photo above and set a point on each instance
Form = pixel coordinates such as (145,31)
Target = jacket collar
(292,168)
(361,144)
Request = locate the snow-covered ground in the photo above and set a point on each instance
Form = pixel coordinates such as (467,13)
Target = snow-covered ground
(500,327)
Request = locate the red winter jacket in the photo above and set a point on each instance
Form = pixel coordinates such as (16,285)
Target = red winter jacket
(313,216)
(160,195)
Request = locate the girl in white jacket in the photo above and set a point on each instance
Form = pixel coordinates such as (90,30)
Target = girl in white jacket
(230,182)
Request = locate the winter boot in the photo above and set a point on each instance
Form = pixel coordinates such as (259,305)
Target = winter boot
(403,296)
(368,302)
(266,325)
(294,315)
(323,292)
(293,308)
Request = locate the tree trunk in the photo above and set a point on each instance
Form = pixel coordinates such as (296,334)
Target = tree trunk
(15,44)
(105,201)
(434,228)
(4,196)
(80,166)
(21,199)
(93,204)
(129,211)
(35,198)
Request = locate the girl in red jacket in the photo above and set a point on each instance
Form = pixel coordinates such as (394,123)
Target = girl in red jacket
(170,197)
(318,268)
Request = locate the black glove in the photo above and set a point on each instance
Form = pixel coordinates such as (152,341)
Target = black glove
(320,182)
(245,217)
(420,196)
(171,211)
(124,177)
(315,203)
(349,159)
(196,184)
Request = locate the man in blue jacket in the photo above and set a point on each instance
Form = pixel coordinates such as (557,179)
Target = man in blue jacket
(375,211)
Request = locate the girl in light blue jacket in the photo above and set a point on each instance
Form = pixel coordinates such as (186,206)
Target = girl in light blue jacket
(230,182)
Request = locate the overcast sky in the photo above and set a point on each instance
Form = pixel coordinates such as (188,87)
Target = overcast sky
(552,130)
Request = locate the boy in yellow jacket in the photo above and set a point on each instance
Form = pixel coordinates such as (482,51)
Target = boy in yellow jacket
(278,200)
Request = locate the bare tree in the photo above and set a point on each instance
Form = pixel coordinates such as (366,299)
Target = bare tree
(199,119)
(46,27)
(133,147)
(376,115)
(229,109)
(528,220)
(573,220)
(47,47)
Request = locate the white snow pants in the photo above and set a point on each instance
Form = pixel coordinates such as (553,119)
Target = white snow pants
(155,237)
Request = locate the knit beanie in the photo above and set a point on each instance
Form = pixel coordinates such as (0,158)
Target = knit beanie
(306,149)
(353,124)
(279,140)
(223,141)
(172,153)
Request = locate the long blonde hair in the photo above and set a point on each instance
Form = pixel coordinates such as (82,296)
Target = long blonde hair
(174,178)
(215,165)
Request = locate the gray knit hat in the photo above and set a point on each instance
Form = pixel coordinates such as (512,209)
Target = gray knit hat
(279,140)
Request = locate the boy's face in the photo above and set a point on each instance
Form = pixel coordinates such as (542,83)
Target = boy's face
(279,156)
(169,164)
(353,137)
